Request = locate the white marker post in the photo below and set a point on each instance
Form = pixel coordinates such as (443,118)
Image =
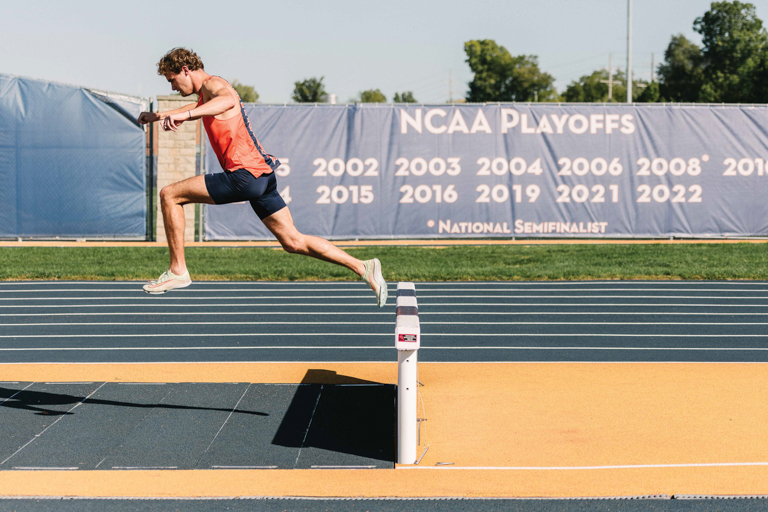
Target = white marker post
(407,342)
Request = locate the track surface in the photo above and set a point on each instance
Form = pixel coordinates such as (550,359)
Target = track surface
(324,505)
(498,321)
(614,321)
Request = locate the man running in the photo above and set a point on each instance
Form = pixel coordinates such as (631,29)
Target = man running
(248,175)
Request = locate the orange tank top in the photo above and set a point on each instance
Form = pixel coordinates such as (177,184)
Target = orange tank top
(236,146)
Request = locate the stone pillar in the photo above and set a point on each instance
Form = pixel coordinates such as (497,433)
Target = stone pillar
(175,161)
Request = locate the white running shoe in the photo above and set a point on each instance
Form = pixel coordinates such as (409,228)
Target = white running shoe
(167,282)
(375,280)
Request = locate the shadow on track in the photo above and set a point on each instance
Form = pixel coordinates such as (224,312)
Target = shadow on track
(36,400)
(341,414)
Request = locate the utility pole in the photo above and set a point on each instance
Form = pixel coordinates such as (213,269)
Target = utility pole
(610,80)
(629,51)
(652,77)
(450,86)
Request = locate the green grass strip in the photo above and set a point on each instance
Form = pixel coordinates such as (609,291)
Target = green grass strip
(482,263)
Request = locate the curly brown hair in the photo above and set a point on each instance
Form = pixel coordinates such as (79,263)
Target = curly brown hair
(174,60)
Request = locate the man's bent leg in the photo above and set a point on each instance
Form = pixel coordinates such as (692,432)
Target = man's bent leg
(172,200)
(281,225)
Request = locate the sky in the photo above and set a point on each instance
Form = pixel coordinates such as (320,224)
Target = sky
(395,46)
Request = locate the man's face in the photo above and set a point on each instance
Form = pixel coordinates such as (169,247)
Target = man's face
(181,82)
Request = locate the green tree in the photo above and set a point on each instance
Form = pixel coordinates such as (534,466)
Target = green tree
(372,96)
(681,75)
(588,88)
(311,90)
(731,65)
(650,93)
(591,88)
(406,97)
(246,92)
(734,47)
(500,76)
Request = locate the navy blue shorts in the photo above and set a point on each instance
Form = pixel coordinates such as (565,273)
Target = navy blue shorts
(240,185)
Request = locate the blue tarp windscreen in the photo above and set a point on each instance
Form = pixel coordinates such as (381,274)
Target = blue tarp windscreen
(71,164)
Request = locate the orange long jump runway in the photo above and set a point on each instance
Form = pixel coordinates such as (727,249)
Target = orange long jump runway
(507,430)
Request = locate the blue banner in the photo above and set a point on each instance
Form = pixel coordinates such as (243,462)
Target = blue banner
(511,170)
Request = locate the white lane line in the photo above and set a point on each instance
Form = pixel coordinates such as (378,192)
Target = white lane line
(37,436)
(306,433)
(552,323)
(361,287)
(542,323)
(367,305)
(692,349)
(233,297)
(489,313)
(357,288)
(158,324)
(16,393)
(518,296)
(388,347)
(354,385)
(243,467)
(343,467)
(144,467)
(368,334)
(590,289)
(209,305)
(43,468)
(272,347)
(206,323)
(237,313)
(576,468)
(367,295)
(62,383)
(387,313)
(196,335)
(222,425)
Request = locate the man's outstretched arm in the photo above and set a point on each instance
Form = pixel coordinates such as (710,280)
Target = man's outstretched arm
(151,117)
(220,102)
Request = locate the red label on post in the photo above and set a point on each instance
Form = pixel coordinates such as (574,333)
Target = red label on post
(406,337)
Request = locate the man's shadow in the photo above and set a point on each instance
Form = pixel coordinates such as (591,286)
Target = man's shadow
(341,414)
(37,400)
